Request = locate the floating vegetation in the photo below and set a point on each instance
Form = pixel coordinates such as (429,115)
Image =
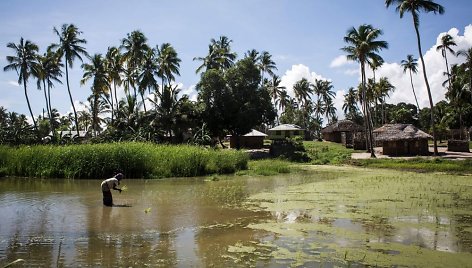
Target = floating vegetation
(147,210)
(370,217)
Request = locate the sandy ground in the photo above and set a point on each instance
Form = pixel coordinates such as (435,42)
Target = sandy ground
(443,152)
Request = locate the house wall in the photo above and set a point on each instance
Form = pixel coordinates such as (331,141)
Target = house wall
(282,134)
(247,142)
(414,147)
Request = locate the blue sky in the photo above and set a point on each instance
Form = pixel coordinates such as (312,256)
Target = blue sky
(304,37)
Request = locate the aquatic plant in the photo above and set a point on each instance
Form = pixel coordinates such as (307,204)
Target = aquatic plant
(134,159)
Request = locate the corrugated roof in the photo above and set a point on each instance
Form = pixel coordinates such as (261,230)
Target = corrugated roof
(397,132)
(286,127)
(255,133)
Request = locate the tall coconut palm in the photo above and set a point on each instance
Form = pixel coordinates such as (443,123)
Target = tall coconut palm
(414,7)
(115,69)
(284,100)
(48,72)
(302,90)
(363,47)
(70,47)
(25,63)
(168,63)
(468,62)
(350,102)
(275,89)
(411,64)
(266,64)
(253,55)
(219,55)
(447,41)
(146,76)
(135,48)
(384,87)
(97,71)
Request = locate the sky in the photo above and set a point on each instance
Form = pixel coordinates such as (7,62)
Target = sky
(304,37)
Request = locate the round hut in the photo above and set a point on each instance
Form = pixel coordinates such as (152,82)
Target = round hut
(402,139)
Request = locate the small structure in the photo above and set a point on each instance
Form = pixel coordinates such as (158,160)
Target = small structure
(251,140)
(402,139)
(283,131)
(341,132)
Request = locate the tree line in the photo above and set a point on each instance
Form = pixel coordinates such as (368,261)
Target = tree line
(234,95)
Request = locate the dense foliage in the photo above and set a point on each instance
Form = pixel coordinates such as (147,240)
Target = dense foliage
(134,159)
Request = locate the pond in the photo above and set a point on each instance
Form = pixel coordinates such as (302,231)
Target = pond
(323,217)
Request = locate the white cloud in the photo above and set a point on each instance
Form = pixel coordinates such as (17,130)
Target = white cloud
(300,71)
(435,65)
(340,61)
(190,91)
(13,83)
(352,72)
(295,74)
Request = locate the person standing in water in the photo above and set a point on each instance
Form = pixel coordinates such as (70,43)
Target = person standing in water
(108,185)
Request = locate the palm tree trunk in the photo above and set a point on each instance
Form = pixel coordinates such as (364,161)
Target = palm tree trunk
(53,129)
(447,69)
(144,103)
(46,98)
(433,127)
(367,113)
(112,106)
(29,106)
(116,98)
(71,100)
(414,94)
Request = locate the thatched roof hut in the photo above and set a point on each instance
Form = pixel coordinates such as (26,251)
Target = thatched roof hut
(341,132)
(402,139)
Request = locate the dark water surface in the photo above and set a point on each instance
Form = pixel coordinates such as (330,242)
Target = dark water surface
(183,222)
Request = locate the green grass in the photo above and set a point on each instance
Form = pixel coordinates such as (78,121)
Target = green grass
(268,167)
(323,153)
(419,164)
(135,160)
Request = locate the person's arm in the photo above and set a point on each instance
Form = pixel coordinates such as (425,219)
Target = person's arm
(117,189)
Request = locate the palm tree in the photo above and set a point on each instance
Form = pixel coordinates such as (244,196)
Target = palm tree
(468,62)
(253,55)
(350,102)
(284,100)
(100,86)
(25,63)
(363,47)
(414,7)
(275,89)
(114,64)
(219,55)
(384,87)
(411,64)
(70,47)
(302,90)
(447,41)
(266,64)
(168,63)
(135,49)
(48,72)
(146,75)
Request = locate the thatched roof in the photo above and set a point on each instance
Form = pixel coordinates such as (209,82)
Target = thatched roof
(342,126)
(286,127)
(400,132)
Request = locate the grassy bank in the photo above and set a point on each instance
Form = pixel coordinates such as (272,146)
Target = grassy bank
(322,153)
(418,165)
(136,160)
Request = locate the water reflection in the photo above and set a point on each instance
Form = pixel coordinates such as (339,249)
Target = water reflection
(161,223)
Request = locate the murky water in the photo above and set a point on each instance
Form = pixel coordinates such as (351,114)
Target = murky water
(322,218)
(168,223)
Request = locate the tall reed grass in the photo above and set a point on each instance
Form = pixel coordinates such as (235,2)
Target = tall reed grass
(135,160)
